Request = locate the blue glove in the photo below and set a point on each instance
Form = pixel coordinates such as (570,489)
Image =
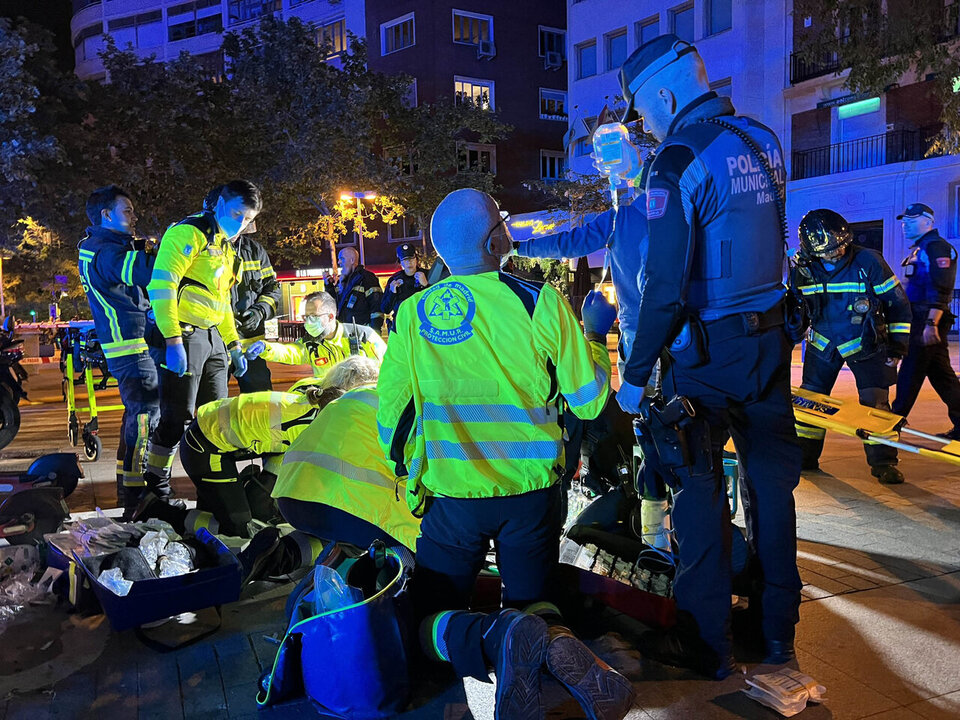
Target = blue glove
(176,359)
(239,361)
(254,351)
(630,396)
(597,313)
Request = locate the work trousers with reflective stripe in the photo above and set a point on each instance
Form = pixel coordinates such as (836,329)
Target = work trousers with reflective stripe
(743,391)
(140,396)
(456,533)
(207,365)
(874,378)
(928,362)
(215,475)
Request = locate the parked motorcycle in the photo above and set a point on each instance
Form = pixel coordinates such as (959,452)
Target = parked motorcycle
(12,377)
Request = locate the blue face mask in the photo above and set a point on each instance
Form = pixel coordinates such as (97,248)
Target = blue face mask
(315,327)
(230,226)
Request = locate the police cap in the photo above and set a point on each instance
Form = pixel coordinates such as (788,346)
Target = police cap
(645,62)
(406,251)
(917,210)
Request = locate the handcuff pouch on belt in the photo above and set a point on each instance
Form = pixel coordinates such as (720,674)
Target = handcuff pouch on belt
(689,346)
(680,437)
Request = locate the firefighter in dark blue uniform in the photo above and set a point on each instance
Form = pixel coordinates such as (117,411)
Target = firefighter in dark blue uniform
(930,271)
(403,284)
(859,315)
(712,294)
(114,273)
(357,292)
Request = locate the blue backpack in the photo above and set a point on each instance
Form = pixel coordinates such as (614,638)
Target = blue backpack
(346,641)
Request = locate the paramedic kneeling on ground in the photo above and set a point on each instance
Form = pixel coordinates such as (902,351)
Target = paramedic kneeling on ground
(469,393)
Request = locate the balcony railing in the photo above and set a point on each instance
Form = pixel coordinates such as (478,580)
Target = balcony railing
(863,153)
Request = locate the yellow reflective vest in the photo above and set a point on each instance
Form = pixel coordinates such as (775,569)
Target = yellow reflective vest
(336,461)
(472,383)
(260,422)
(192,277)
(322,354)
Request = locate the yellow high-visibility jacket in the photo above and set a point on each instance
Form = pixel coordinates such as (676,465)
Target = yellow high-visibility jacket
(259,422)
(336,461)
(471,386)
(322,354)
(191,280)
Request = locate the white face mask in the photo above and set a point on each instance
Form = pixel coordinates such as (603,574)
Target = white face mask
(315,328)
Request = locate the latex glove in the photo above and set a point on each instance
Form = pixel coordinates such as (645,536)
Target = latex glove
(254,351)
(597,313)
(239,361)
(630,396)
(250,320)
(176,359)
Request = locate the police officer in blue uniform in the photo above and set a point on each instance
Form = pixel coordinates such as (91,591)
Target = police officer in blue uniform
(930,271)
(859,315)
(403,284)
(712,293)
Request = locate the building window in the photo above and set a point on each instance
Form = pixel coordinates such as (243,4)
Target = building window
(472,90)
(143,30)
(583,147)
(476,157)
(410,99)
(334,36)
(616,48)
(681,22)
(722,87)
(586,59)
(553,104)
(88,42)
(193,18)
(553,40)
(242,10)
(647,30)
(719,16)
(405,229)
(553,164)
(211,65)
(397,34)
(470,28)
(402,159)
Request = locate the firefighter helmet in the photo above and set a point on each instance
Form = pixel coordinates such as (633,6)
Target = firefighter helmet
(823,233)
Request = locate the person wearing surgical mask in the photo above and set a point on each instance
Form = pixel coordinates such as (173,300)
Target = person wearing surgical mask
(193,328)
(326,340)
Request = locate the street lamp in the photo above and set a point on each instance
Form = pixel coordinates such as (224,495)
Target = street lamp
(358,225)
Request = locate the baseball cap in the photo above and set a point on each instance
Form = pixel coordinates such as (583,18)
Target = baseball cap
(645,62)
(916,210)
(406,251)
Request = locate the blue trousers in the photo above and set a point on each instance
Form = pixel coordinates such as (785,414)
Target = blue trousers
(331,524)
(743,390)
(140,396)
(455,534)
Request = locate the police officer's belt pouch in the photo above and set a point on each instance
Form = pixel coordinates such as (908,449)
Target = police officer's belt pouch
(689,346)
(346,641)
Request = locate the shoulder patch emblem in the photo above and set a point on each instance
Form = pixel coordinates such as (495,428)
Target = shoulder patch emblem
(943,262)
(188,250)
(445,313)
(657,203)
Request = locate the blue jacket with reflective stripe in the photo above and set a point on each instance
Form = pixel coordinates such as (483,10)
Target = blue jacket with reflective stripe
(114,276)
(832,294)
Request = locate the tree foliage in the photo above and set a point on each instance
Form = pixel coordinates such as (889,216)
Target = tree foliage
(302,125)
(879,48)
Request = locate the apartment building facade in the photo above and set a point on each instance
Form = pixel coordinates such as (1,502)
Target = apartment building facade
(165,28)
